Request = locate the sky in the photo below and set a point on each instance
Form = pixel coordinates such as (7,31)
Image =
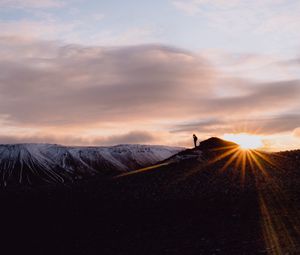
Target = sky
(96,72)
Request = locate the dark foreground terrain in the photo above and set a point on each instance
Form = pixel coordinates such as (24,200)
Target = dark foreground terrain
(216,199)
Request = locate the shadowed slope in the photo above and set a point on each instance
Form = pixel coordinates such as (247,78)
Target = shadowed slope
(261,188)
(207,200)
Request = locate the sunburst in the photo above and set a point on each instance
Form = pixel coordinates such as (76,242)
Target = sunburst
(272,202)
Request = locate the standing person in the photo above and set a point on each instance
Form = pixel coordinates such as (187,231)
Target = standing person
(195,140)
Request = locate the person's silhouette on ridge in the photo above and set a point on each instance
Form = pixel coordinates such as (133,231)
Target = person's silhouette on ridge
(195,140)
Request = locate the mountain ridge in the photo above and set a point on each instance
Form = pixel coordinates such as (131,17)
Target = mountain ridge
(36,164)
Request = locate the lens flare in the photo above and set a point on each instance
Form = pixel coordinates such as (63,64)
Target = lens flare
(245,141)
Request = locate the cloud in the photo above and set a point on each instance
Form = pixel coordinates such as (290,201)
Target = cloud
(15,139)
(296,132)
(278,124)
(35,4)
(47,86)
(133,137)
(256,17)
(203,126)
(131,36)
(266,96)
(262,126)
(250,66)
(33,30)
(199,6)
(292,62)
(84,85)
(190,7)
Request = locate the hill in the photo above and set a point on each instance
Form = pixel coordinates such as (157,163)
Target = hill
(214,199)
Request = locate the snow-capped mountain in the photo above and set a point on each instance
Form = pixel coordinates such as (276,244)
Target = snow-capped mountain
(34,164)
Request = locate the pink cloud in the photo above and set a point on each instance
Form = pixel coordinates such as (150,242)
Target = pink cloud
(49,86)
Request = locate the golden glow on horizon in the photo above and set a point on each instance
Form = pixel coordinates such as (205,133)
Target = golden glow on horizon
(245,141)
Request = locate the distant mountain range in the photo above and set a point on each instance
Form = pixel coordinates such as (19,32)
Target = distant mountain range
(38,164)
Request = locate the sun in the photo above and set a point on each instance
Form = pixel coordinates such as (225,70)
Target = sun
(245,141)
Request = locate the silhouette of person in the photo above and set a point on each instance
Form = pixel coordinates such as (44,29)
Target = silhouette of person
(195,140)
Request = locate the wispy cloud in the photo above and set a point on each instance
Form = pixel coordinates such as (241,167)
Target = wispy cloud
(133,137)
(274,124)
(35,4)
(30,29)
(257,17)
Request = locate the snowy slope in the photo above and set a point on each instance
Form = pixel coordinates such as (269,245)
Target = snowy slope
(34,164)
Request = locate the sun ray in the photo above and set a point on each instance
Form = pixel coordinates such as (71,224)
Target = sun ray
(250,161)
(257,163)
(278,230)
(223,155)
(244,162)
(230,160)
(265,158)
